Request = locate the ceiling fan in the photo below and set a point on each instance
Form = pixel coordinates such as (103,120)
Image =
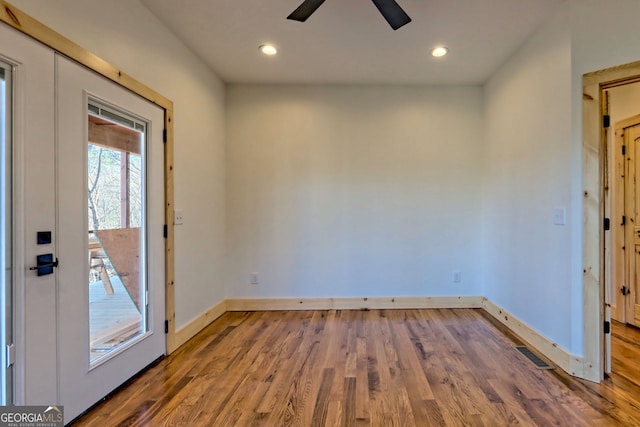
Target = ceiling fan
(392,12)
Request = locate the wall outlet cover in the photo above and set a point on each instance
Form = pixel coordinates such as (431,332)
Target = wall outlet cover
(457,276)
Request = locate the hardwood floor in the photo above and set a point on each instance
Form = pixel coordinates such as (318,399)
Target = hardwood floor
(361,368)
(625,354)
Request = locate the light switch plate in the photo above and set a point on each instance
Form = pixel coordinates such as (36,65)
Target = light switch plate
(178,217)
(559,216)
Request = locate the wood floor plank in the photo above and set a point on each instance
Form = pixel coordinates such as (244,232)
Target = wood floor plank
(362,380)
(449,367)
(349,412)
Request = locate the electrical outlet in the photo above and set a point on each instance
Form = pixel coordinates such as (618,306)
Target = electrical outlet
(254,278)
(457,276)
(178,217)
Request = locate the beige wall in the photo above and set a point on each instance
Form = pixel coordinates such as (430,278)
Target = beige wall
(354,190)
(528,173)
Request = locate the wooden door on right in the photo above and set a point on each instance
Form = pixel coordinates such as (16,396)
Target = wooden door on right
(627,237)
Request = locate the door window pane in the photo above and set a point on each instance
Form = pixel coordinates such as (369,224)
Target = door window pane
(116,242)
(6,231)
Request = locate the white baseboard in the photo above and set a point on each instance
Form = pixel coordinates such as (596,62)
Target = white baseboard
(273,304)
(568,362)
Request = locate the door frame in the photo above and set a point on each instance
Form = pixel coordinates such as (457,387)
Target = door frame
(594,160)
(29,26)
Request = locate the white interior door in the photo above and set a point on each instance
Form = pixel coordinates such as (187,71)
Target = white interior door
(109,248)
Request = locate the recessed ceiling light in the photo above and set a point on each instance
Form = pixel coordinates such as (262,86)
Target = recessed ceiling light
(439,51)
(268,49)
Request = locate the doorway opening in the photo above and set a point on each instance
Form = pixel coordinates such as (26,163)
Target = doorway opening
(6,238)
(622,244)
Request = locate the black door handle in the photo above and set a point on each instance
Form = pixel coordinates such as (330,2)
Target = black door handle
(45,264)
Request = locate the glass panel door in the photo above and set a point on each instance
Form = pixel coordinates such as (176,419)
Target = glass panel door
(110,242)
(115,181)
(6,232)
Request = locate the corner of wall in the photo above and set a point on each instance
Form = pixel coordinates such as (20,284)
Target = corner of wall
(572,364)
(197,324)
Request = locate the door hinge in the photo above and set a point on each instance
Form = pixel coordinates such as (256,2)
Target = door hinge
(10,355)
(624,150)
(166,326)
(607,327)
(606,121)
(165,231)
(606,224)
(624,220)
(164,136)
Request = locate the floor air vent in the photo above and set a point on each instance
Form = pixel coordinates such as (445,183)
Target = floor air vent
(539,363)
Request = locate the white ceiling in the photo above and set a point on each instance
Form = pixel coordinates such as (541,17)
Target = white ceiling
(348,41)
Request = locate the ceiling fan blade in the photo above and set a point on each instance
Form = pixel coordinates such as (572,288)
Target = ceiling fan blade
(392,12)
(305,10)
